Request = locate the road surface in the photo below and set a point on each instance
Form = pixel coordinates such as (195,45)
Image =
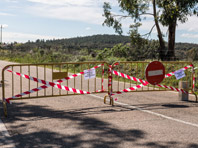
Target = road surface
(138,120)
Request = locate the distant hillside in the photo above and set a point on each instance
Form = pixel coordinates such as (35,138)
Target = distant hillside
(96,47)
(89,42)
(187,51)
(185,46)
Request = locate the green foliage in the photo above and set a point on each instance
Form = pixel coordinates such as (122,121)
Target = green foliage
(111,21)
(177,10)
(118,52)
(166,12)
(66,50)
(193,54)
(117,49)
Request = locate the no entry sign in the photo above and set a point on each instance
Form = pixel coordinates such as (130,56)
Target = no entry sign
(155,72)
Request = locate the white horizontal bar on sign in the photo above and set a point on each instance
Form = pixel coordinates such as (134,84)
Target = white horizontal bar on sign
(155,73)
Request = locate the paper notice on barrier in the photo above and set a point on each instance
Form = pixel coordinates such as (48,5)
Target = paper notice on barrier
(179,74)
(90,73)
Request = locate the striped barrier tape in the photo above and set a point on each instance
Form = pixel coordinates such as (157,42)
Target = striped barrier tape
(185,68)
(144,83)
(48,84)
(130,89)
(102,78)
(62,87)
(193,71)
(172,88)
(173,73)
(110,82)
(130,78)
(78,74)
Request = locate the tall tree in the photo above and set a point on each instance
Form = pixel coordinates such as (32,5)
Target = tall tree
(165,12)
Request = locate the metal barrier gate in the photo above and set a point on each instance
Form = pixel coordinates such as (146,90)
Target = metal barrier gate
(28,81)
(196,78)
(130,77)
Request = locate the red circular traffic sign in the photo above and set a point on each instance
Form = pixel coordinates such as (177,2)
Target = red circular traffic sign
(155,72)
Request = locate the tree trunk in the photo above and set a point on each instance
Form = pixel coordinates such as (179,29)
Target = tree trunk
(171,41)
(161,40)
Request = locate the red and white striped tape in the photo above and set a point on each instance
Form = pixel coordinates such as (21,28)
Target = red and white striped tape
(144,83)
(110,80)
(62,87)
(185,68)
(78,74)
(47,84)
(172,88)
(130,78)
(193,71)
(102,87)
(130,89)
(73,76)
(173,73)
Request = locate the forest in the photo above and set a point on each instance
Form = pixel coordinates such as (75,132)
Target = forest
(108,48)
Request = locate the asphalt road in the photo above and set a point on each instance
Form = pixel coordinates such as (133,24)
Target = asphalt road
(138,120)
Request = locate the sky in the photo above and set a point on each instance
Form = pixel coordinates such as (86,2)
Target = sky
(29,20)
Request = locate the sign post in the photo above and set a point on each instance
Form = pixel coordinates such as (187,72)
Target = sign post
(155,72)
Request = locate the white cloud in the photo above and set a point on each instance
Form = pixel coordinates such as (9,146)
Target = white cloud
(4,25)
(190,25)
(77,13)
(187,35)
(24,37)
(75,2)
(88,28)
(5,14)
(89,11)
(63,2)
(12,1)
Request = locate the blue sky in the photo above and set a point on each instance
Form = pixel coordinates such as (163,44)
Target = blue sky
(25,20)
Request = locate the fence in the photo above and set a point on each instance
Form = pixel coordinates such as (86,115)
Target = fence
(130,77)
(30,81)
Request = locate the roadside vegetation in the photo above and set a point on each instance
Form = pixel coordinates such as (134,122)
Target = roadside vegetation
(108,48)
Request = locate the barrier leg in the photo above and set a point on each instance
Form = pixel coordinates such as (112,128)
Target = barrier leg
(111,101)
(5,109)
(105,99)
(195,96)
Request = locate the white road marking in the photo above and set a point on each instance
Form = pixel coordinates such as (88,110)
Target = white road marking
(150,112)
(4,135)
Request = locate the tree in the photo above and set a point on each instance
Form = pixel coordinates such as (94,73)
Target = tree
(193,54)
(165,12)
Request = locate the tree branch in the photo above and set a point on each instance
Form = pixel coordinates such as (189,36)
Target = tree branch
(149,33)
(147,14)
(125,16)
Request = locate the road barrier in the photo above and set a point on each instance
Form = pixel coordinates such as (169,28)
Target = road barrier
(130,76)
(29,81)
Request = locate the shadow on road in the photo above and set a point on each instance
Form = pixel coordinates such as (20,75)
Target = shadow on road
(89,130)
(100,133)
